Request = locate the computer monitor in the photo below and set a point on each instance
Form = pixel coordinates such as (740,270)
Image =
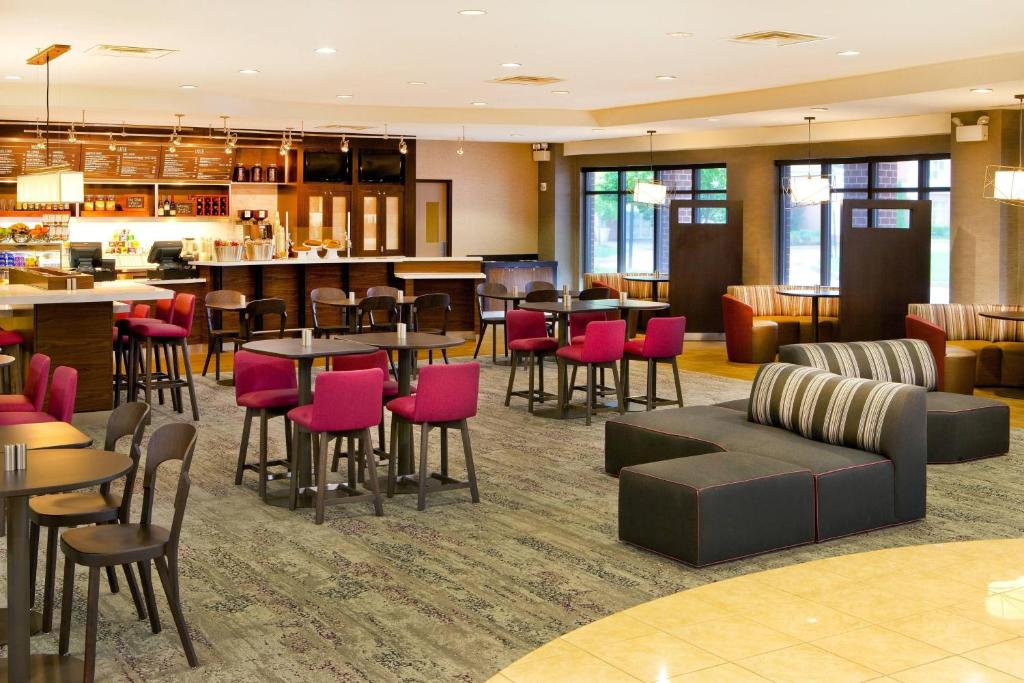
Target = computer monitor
(167,253)
(85,256)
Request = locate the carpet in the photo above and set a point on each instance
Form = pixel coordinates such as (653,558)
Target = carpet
(459,591)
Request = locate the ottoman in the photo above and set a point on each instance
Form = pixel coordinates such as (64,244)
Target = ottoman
(960,367)
(715,507)
(964,428)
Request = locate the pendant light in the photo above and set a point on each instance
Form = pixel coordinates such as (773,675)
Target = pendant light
(403,148)
(51,184)
(1005,184)
(460,151)
(807,189)
(344,144)
(650,192)
(230,139)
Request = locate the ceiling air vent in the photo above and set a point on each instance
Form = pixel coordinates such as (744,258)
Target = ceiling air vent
(527,80)
(128,51)
(776,38)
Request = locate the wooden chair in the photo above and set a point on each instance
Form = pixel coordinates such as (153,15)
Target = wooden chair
(538,285)
(122,544)
(434,306)
(493,319)
(62,510)
(255,312)
(382,290)
(329,298)
(544,295)
(379,313)
(216,334)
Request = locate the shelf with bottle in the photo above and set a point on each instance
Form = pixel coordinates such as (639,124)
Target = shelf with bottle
(264,166)
(208,203)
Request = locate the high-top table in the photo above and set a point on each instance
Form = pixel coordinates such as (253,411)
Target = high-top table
(563,310)
(633,307)
(48,471)
(653,279)
(815,296)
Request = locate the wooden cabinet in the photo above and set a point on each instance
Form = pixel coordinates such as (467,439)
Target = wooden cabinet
(324,210)
(380,229)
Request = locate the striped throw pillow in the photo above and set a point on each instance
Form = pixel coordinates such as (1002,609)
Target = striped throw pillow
(907,361)
(821,406)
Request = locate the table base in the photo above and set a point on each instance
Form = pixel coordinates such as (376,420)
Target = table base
(575,411)
(1010,392)
(50,669)
(35,624)
(406,484)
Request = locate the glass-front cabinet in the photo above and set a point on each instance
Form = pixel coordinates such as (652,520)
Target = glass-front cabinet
(380,213)
(324,209)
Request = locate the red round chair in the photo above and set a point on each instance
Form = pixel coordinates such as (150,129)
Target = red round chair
(662,344)
(149,335)
(61,407)
(35,388)
(121,341)
(602,347)
(365,361)
(528,336)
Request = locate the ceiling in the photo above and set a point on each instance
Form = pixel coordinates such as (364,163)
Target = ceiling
(916,57)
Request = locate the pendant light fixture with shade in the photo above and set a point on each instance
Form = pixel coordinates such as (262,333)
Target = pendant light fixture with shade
(650,192)
(1005,184)
(52,184)
(809,188)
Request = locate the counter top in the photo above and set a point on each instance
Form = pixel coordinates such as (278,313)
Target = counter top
(158,283)
(440,276)
(341,259)
(118,290)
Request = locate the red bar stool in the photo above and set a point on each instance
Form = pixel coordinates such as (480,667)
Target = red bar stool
(345,405)
(173,336)
(35,388)
(663,342)
(162,311)
(61,407)
(121,341)
(265,387)
(9,339)
(365,361)
(602,347)
(446,397)
(528,335)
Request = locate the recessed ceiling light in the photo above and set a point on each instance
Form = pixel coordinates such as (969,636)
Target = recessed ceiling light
(679,34)
(515,135)
(848,53)
(188,86)
(479,104)
(714,120)
(559,92)
(417,83)
(597,130)
(472,12)
(344,97)
(325,50)
(511,65)
(248,72)
(819,108)
(981,91)
(666,78)
(12,78)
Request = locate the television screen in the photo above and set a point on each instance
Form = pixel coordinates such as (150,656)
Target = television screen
(327,167)
(377,166)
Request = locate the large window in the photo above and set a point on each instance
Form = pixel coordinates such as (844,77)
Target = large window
(809,235)
(622,236)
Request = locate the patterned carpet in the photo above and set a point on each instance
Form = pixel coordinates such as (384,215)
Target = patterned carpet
(461,590)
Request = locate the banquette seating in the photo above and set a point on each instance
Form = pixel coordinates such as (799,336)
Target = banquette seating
(750,310)
(616,282)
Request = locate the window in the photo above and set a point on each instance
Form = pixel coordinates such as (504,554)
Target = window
(809,235)
(621,236)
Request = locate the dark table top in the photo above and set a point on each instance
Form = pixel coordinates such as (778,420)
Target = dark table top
(1014,316)
(407,300)
(832,293)
(412,340)
(53,471)
(45,435)
(320,348)
(560,308)
(663,277)
(640,304)
(6,360)
(227,306)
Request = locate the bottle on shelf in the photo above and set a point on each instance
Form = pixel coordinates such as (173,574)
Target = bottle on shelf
(173,207)
(167,205)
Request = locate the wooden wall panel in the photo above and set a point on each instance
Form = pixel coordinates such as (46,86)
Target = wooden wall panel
(78,335)
(282,282)
(323,276)
(362,276)
(463,316)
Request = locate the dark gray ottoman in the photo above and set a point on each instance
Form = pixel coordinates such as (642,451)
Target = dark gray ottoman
(715,507)
(966,427)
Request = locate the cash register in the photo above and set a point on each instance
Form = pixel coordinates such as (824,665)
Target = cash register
(87,258)
(170,265)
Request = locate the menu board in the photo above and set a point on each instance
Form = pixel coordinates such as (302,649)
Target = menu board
(20,157)
(214,163)
(98,161)
(196,163)
(139,162)
(179,163)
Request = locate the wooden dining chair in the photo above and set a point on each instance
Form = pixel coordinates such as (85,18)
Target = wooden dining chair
(326,300)
(123,544)
(544,295)
(434,307)
(379,313)
(537,285)
(382,290)
(493,319)
(216,334)
(256,311)
(62,510)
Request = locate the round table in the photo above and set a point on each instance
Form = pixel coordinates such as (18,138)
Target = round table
(655,279)
(48,471)
(407,347)
(633,307)
(562,311)
(6,362)
(815,295)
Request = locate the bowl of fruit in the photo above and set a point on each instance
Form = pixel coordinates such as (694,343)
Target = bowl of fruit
(227,250)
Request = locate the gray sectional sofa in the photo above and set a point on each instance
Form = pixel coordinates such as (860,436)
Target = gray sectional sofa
(819,456)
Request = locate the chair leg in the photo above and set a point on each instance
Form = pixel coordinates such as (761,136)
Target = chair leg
(351,462)
(169,580)
(393,458)
(337,455)
(675,376)
(191,384)
(494,343)
(479,339)
(320,453)
(133,588)
(590,391)
(444,355)
(625,378)
(371,467)
(65,606)
(444,451)
(209,355)
(159,370)
(618,390)
(50,577)
(219,343)
(531,359)
(474,492)
(171,357)
(540,372)
(421,499)
(572,382)
(244,447)
(512,377)
(148,373)
(91,617)
(112,581)
(652,383)
(146,576)
(380,430)
(297,464)
(261,486)
(288,440)
(33,559)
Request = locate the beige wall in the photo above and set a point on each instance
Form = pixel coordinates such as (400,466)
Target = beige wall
(494,194)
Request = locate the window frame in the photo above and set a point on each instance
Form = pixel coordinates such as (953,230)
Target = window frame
(624,193)
(922,189)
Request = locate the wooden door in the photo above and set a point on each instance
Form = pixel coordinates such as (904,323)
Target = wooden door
(381,222)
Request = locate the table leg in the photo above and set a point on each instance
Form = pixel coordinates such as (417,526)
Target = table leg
(632,322)
(18,668)
(302,447)
(563,330)
(814,317)
(404,432)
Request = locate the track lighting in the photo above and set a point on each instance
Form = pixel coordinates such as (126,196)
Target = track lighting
(286,142)
(402,147)
(460,151)
(40,142)
(344,144)
(72,138)
(110,145)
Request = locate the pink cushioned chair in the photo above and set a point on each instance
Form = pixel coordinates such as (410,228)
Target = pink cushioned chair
(265,387)
(13,343)
(364,361)
(172,336)
(663,342)
(446,398)
(528,336)
(121,342)
(345,405)
(35,388)
(63,391)
(602,347)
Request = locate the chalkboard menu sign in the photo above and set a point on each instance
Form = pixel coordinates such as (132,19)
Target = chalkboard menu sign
(179,163)
(20,157)
(196,163)
(100,162)
(139,161)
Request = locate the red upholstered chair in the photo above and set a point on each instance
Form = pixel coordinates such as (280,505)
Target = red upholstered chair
(61,407)
(13,343)
(748,340)
(662,344)
(528,336)
(147,336)
(612,292)
(602,347)
(364,361)
(265,387)
(935,337)
(121,341)
(35,388)
(446,398)
(345,405)
(956,367)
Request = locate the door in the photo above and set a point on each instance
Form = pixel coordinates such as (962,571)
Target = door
(380,222)
(433,220)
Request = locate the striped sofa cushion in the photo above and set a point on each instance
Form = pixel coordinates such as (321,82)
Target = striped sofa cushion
(964,321)
(636,290)
(766,301)
(907,361)
(821,406)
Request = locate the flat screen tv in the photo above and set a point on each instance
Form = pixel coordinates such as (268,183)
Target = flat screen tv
(327,167)
(378,166)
